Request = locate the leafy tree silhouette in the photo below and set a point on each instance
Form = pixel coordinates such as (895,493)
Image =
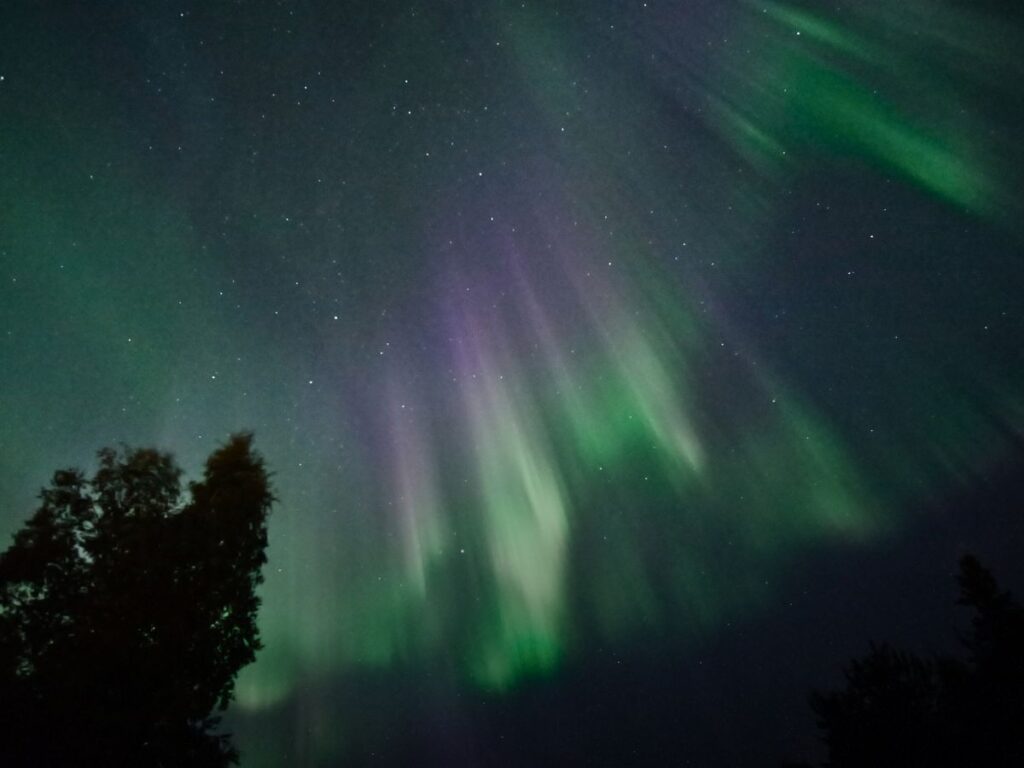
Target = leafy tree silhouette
(900,710)
(127,609)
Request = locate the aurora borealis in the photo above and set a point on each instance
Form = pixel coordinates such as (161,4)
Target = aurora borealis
(568,328)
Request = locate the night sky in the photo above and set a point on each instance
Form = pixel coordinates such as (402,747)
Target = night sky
(624,366)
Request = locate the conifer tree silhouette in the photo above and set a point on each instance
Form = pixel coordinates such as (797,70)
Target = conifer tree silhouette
(898,709)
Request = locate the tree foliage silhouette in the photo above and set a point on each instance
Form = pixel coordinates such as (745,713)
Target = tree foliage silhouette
(127,609)
(901,710)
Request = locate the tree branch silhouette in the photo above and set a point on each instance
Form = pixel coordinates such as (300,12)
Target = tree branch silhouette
(127,608)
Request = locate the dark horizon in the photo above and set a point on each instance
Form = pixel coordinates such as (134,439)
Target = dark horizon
(685,701)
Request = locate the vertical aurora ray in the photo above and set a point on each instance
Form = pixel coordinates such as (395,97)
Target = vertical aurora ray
(644,390)
(523,513)
(418,501)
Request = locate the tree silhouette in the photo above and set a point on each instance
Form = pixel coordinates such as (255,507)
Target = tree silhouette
(900,710)
(127,609)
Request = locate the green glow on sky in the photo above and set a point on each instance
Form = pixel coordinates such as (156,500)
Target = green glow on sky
(818,86)
(525,529)
(560,329)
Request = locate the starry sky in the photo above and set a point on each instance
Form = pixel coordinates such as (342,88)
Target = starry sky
(613,358)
